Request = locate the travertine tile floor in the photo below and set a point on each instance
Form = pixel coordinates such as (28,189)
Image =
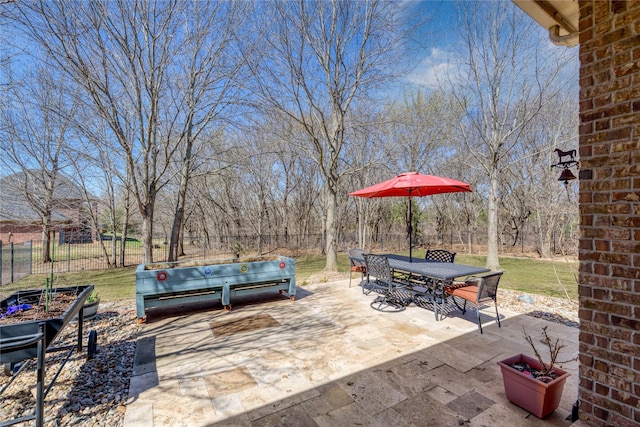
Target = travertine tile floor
(328,359)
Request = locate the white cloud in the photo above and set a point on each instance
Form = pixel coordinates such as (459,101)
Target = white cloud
(435,69)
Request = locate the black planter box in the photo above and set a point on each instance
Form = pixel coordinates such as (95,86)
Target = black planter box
(17,340)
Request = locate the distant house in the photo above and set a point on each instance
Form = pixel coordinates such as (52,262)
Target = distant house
(20,221)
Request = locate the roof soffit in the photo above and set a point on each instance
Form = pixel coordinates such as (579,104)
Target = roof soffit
(559,17)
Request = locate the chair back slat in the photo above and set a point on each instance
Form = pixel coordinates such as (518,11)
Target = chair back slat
(489,286)
(356,257)
(440,255)
(378,267)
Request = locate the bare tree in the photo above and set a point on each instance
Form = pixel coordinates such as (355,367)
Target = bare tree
(536,192)
(98,165)
(367,160)
(323,58)
(416,138)
(206,86)
(416,133)
(34,144)
(120,54)
(507,77)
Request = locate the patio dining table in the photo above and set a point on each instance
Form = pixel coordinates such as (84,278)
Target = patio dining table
(417,271)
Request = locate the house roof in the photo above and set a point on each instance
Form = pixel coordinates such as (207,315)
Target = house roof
(14,205)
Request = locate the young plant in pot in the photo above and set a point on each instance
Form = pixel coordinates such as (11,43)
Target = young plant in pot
(90,306)
(532,383)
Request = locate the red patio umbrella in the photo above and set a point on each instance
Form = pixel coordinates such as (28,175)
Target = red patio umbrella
(412,184)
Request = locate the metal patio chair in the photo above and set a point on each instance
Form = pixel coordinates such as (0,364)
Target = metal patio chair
(394,296)
(356,257)
(436,255)
(476,291)
(440,255)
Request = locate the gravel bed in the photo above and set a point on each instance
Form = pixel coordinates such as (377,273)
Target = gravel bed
(87,392)
(557,310)
(94,392)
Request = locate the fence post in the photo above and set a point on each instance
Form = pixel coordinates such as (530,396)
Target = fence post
(30,257)
(11,254)
(68,257)
(0,263)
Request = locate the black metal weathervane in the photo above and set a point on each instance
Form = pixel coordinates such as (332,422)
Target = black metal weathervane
(566,161)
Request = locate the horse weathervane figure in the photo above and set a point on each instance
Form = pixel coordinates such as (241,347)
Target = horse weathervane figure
(566,160)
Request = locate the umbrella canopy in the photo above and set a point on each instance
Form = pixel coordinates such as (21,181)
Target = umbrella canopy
(412,184)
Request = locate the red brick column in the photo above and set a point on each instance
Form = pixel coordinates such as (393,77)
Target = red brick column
(609,286)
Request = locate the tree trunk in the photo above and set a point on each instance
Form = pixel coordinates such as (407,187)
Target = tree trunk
(492,226)
(546,236)
(177,221)
(330,225)
(46,244)
(114,246)
(125,226)
(147,235)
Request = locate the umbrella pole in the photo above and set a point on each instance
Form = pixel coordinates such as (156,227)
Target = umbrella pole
(410,230)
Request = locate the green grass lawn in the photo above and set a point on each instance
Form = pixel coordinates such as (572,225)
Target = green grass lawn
(551,278)
(113,284)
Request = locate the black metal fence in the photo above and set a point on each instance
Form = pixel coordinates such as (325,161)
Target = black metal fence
(18,260)
(15,262)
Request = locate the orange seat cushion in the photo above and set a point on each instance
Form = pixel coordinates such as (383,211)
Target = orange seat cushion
(359,268)
(470,293)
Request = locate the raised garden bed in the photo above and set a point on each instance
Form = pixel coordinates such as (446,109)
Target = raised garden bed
(168,284)
(18,327)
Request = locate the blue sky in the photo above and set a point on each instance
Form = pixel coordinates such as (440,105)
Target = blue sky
(441,37)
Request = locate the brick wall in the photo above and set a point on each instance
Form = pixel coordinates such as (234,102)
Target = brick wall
(609,387)
(14,233)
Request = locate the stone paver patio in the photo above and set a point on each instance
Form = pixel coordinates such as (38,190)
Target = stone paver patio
(328,359)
